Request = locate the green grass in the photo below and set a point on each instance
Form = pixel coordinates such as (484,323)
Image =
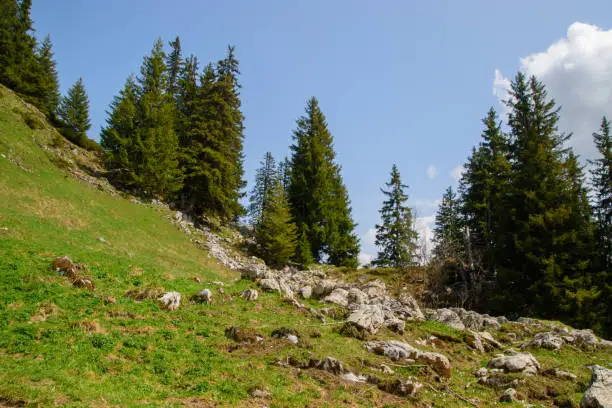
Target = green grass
(61,345)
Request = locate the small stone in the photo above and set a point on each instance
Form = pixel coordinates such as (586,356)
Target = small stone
(250,294)
(110,300)
(509,395)
(260,393)
(170,300)
(481,372)
(197,279)
(102,240)
(205,295)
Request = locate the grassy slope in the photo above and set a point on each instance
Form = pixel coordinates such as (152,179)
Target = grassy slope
(65,346)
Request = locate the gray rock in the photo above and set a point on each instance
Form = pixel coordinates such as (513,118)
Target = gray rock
(250,294)
(270,285)
(285,289)
(396,325)
(351,377)
(306,292)
(368,317)
(374,289)
(170,300)
(516,362)
(509,395)
(564,375)
(447,317)
(547,340)
(204,295)
(356,298)
(329,364)
(584,339)
(599,393)
(339,296)
(410,310)
(397,350)
(481,372)
(323,287)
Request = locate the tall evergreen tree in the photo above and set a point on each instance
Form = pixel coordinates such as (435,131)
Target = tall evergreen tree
(266,177)
(174,63)
(19,66)
(214,143)
(482,187)
(276,234)
(395,235)
(119,139)
(284,172)
(49,80)
(158,167)
(544,215)
(73,113)
(448,231)
(319,200)
(602,187)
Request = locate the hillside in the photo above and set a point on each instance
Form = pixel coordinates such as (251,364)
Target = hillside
(117,346)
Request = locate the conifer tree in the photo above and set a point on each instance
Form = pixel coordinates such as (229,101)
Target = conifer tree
(266,177)
(119,139)
(73,113)
(214,143)
(49,81)
(284,172)
(319,200)
(395,236)
(19,66)
(158,168)
(276,234)
(537,275)
(482,187)
(448,231)
(174,63)
(601,182)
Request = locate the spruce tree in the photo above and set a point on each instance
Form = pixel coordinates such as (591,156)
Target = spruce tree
(49,81)
(266,177)
(319,200)
(284,172)
(448,231)
(545,215)
(73,114)
(122,149)
(158,168)
(174,63)
(19,66)
(276,234)
(214,142)
(601,182)
(482,187)
(395,235)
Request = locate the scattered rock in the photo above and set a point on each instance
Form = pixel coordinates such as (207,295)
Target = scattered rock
(250,294)
(66,267)
(374,289)
(509,395)
(338,296)
(481,372)
(102,240)
(170,300)
(243,335)
(395,325)
(286,333)
(599,393)
(356,298)
(564,375)
(397,350)
(306,292)
(547,340)
(258,392)
(329,364)
(352,377)
(323,288)
(270,285)
(499,381)
(197,279)
(368,317)
(403,388)
(205,296)
(482,341)
(516,362)
(109,300)
(585,339)
(83,283)
(447,317)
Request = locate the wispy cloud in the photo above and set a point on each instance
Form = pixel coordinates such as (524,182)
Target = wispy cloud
(457,172)
(432,172)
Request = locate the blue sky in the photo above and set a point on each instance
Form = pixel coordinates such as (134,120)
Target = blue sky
(401,82)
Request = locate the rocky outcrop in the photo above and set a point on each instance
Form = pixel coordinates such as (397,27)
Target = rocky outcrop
(515,362)
(170,300)
(204,296)
(509,395)
(249,294)
(368,317)
(445,316)
(482,341)
(547,340)
(397,350)
(338,296)
(599,393)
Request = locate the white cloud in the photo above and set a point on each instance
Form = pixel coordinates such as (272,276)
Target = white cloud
(577,71)
(424,226)
(427,204)
(364,259)
(432,172)
(457,172)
